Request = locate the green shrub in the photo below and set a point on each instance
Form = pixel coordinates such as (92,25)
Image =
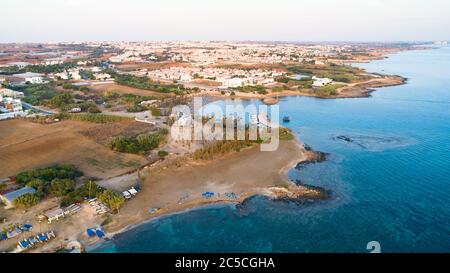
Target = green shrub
(111,199)
(140,144)
(162,153)
(61,187)
(26,201)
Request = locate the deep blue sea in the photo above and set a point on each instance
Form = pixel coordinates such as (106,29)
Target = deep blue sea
(389,176)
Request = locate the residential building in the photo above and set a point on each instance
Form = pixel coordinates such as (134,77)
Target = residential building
(10,93)
(33,78)
(319,82)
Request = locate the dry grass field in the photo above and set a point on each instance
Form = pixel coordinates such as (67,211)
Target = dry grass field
(120,89)
(25,145)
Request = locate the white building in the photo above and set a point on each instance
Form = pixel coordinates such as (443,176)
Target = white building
(10,93)
(185,78)
(33,78)
(10,107)
(233,82)
(54,61)
(19,64)
(10,104)
(62,75)
(102,76)
(319,82)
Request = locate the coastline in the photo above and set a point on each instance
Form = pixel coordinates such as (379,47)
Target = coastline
(354,90)
(128,218)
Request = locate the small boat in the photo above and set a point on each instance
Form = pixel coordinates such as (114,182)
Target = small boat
(286,119)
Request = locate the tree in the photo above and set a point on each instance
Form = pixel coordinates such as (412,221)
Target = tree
(61,100)
(26,201)
(111,199)
(162,153)
(61,187)
(93,109)
(38,185)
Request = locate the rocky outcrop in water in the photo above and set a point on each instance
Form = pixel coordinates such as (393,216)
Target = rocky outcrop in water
(313,157)
(301,193)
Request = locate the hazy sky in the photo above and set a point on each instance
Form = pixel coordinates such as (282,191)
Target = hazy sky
(287,20)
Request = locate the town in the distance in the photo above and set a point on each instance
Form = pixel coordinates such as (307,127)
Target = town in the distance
(85,144)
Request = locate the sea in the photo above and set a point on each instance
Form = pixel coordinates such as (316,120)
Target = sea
(388,171)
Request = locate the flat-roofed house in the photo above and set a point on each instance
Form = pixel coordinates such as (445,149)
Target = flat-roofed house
(10,93)
(34,78)
(54,214)
(319,82)
(9,197)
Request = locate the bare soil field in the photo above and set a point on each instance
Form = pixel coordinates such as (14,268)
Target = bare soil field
(25,145)
(120,89)
(150,66)
(103,132)
(207,82)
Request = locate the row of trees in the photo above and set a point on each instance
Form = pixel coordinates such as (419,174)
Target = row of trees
(252,89)
(148,84)
(91,117)
(56,181)
(44,69)
(48,174)
(209,151)
(38,94)
(90,189)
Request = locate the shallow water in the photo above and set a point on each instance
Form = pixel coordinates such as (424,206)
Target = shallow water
(388,170)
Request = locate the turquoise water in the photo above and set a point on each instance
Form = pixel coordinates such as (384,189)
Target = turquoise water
(390,183)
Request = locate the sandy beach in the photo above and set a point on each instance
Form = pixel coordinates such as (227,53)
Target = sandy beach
(246,173)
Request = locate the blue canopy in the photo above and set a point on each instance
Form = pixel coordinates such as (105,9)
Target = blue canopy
(208,194)
(24,244)
(42,237)
(3,236)
(90,232)
(99,233)
(26,227)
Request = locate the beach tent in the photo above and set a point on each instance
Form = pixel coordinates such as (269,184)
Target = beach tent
(208,194)
(90,232)
(42,237)
(24,244)
(3,236)
(26,227)
(99,233)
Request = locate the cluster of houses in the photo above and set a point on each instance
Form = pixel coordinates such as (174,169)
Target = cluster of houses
(10,104)
(77,74)
(226,77)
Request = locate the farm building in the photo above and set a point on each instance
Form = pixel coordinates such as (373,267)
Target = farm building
(8,198)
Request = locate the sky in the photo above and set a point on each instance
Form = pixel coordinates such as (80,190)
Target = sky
(258,20)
